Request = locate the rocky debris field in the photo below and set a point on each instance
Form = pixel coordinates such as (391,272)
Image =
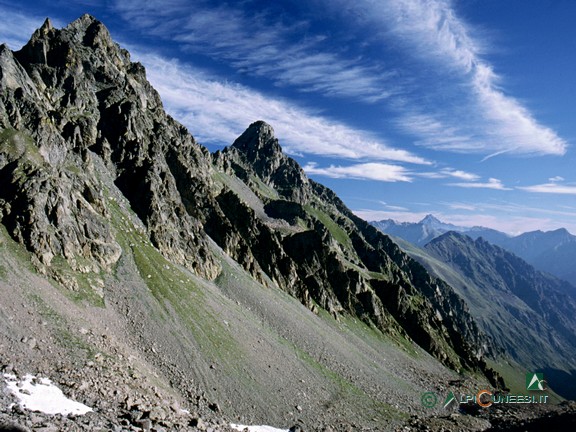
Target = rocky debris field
(517,418)
(121,400)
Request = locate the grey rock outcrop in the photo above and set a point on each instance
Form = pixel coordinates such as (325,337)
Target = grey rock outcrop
(70,95)
(334,259)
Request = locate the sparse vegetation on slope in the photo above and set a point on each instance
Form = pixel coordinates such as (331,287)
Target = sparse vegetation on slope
(231,282)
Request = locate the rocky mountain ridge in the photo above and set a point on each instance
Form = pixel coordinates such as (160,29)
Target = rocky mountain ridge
(86,98)
(341,262)
(61,105)
(196,259)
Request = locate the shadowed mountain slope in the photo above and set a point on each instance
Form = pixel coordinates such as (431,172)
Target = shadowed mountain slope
(528,313)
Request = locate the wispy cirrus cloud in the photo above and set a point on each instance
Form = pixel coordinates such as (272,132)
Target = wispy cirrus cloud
(466,110)
(492,183)
(217,112)
(513,217)
(550,188)
(378,215)
(261,44)
(364,171)
(459,174)
(461,206)
(512,208)
(449,173)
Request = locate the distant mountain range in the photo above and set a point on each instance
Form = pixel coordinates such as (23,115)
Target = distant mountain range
(550,251)
(530,314)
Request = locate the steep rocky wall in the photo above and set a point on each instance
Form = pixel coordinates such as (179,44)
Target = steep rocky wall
(345,264)
(76,95)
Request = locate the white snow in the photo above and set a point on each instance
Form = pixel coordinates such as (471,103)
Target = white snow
(257,428)
(40,394)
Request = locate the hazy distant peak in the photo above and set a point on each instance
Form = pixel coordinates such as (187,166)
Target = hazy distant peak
(430,219)
(562,231)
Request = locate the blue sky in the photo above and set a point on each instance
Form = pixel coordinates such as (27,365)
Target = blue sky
(463,109)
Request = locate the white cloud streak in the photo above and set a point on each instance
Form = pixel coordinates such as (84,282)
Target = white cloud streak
(365,171)
(550,188)
(513,123)
(449,172)
(492,183)
(459,174)
(401,216)
(514,218)
(485,120)
(479,117)
(509,208)
(217,112)
(260,44)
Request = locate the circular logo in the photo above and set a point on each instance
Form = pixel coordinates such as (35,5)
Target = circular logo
(484,403)
(429,399)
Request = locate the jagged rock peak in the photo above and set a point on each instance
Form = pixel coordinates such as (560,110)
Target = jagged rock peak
(5,50)
(261,153)
(84,23)
(44,29)
(257,140)
(52,47)
(47,26)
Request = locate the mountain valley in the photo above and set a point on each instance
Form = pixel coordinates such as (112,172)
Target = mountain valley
(170,288)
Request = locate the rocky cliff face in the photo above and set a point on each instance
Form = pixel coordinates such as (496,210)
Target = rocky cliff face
(68,96)
(326,256)
(78,118)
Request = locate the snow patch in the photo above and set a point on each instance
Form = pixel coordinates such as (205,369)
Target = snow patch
(40,394)
(257,428)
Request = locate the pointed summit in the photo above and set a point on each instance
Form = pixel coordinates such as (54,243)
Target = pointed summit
(561,232)
(36,50)
(85,41)
(47,26)
(260,150)
(258,141)
(430,220)
(83,23)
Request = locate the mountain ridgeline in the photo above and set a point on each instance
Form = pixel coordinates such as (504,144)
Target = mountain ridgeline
(550,251)
(312,246)
(537,310)
(72,96)
(82,131)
